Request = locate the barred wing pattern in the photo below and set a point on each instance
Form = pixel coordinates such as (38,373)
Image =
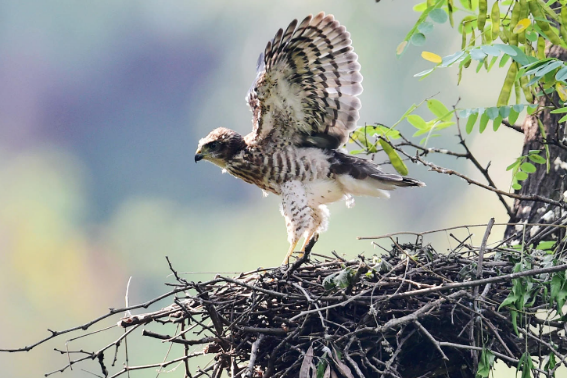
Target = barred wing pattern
(306,86)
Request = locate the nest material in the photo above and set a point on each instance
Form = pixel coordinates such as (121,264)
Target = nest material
(411,312)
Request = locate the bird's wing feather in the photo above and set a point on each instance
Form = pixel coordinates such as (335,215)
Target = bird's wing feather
(306,85)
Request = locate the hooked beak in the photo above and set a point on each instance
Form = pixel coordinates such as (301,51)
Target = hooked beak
(198,155)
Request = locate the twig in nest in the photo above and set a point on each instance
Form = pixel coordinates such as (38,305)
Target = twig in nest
(430,337)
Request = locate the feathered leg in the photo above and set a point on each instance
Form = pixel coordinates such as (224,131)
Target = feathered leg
(300,218)
(319,225)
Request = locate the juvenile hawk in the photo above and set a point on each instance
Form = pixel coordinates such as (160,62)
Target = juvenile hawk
(304,105)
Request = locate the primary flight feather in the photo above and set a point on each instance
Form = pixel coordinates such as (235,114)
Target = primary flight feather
(304,104)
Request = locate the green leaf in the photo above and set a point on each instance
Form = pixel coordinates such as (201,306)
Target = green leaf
(503,60)
(454,58)
(510,300)
(521,176)
(537,159)
(546,245)
(395,159)
(514,317)
(520,57)
(516,186)
(531,109)
(492,113)
(418,39)
(563,119)
(477,54)
(479,66)
(424,14)
(384,131)
(420,7)
(559,111)
(526,364)
(485,363)
(506,49)
(490,50)
(439,16)
(465,113)
(329,281)
(425,27)
(513,116)
(344,278)
(357,152)
(467,4)
(417,121)
(518,107)
(483,122)
(531,36)
(557,282)
(550,364)
(425,73)
(437,108)
(514,164)
(561,75)
(548,68)
(504,111)
(528,167)
(532,68)
(470,123)
(491,64)
(496,123)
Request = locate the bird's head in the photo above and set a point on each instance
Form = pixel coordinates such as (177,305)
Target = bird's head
(219,146)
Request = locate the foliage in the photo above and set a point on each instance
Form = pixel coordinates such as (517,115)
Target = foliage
(513,33)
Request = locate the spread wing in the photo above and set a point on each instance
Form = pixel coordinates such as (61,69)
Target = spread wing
(306,85)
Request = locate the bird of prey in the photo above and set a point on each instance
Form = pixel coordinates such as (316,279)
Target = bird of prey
(304,104)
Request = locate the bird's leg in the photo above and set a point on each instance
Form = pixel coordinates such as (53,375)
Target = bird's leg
(305,243)
(308,245)
(313,235)
(290,252)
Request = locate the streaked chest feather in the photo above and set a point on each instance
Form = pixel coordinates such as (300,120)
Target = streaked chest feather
(269,169)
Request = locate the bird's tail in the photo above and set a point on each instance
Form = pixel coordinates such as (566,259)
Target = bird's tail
(406,181)
(361,177)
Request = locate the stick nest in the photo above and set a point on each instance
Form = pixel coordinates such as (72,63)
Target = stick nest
(410,312)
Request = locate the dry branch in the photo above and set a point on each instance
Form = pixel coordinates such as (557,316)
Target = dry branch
(403,314)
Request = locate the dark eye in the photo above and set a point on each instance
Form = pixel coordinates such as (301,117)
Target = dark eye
(213,145)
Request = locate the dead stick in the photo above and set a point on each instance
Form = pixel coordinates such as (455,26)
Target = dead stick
(253,355)
(451,228)
(430,337)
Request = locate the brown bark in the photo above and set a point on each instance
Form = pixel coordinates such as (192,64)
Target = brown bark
(552,184)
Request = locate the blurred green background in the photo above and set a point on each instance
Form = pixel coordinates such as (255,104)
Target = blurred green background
(101,107)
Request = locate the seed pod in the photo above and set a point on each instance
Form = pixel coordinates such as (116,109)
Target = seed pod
(527,91)
(517,91)
(544,26)
(564,23)
(540,47)
(504,33)
(495,17)
(513,38)
(487,35)
(451,10)
(524,13)
(482,7)
(504,96)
